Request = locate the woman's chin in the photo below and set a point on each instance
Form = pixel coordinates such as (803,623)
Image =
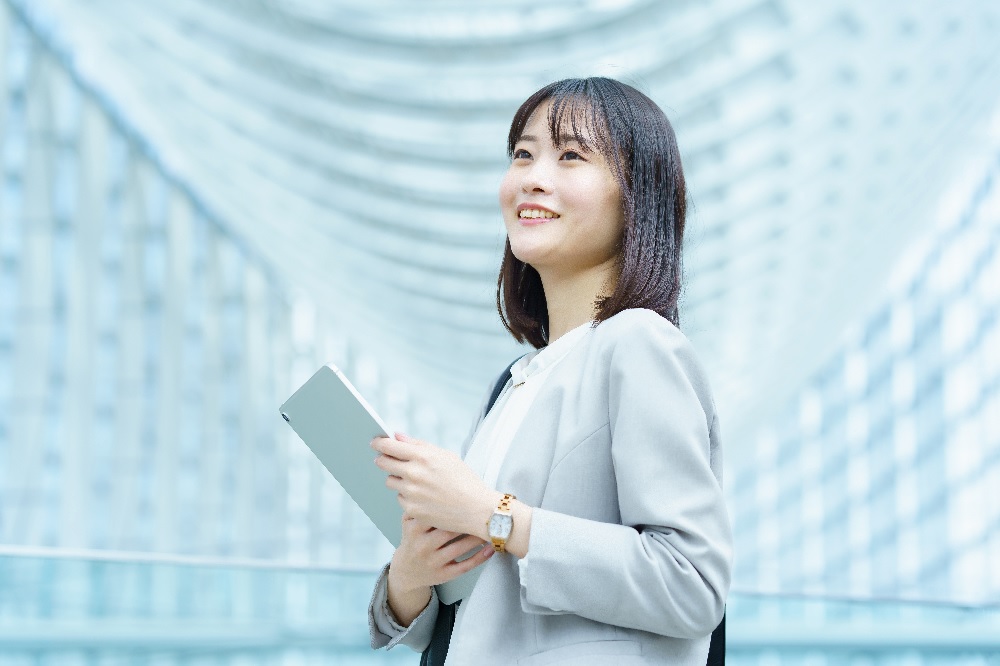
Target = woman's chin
(534,257)
(531,249)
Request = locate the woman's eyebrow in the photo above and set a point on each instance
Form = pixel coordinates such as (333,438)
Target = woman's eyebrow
(563,139)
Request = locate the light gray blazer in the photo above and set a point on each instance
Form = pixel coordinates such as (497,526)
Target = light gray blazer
(630,552)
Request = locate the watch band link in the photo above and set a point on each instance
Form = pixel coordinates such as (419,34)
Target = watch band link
(505,502)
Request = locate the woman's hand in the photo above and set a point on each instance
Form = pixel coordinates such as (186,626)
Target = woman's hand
(426,557)
(435,486)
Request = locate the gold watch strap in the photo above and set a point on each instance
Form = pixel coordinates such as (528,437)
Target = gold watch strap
(505,502)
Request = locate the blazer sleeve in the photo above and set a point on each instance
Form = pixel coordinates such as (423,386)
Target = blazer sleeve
(666,569)
(385,629)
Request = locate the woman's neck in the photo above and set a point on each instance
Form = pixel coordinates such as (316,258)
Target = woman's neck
(571,299)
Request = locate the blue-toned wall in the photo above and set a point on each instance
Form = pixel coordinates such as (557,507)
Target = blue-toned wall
(201,204)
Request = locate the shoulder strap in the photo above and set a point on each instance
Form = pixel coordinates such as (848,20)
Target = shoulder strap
(437,650)
(501,382)
(717,645)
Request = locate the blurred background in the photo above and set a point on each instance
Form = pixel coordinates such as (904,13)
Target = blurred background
(203,202)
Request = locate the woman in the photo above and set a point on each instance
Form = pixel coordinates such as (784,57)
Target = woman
(603,447)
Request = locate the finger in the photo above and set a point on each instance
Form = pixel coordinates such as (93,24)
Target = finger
(394,483)
(403,437)
(441,538)
(416,444)
(389,464)
(456,569)
(444,536)
(391,447)
(461,547)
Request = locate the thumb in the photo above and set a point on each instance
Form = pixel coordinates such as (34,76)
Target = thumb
(403,437)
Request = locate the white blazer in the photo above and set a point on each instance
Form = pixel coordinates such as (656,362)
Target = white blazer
(630,553)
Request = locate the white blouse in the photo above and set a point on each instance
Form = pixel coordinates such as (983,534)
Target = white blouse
(495,434)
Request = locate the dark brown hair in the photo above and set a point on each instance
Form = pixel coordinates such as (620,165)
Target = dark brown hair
(635,137)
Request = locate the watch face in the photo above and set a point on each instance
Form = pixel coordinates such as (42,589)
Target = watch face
(500,525)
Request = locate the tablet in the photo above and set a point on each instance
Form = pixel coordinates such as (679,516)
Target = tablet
(338,425)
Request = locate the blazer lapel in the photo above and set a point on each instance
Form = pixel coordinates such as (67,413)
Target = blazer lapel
(525,469)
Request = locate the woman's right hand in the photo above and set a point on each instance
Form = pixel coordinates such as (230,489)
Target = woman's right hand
(425,558)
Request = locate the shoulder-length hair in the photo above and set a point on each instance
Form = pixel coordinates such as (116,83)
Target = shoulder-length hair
(635,137)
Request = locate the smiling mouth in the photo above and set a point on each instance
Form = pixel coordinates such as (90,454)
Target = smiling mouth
(534,213)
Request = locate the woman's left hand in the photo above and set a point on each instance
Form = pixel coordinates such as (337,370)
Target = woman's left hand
(434,485)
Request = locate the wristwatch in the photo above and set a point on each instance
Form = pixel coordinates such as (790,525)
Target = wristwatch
(500,524)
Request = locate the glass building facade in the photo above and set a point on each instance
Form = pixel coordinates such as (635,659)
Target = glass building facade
(879,478)
(201,203)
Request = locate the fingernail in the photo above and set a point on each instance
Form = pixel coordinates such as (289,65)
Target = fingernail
(488,551)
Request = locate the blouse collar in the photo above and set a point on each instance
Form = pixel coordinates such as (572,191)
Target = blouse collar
(547,357)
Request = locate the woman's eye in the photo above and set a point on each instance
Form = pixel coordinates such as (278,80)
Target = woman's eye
(521,154)
(571,155)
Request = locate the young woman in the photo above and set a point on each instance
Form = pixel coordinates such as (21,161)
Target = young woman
(603,447)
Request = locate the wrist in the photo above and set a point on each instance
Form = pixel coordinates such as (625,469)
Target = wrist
(520,535)
(405,603)
(486,507)
(400,585)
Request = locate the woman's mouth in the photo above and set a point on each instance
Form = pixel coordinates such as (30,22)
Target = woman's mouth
(535,213)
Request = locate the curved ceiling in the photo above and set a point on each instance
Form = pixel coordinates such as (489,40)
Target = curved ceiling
(358,147)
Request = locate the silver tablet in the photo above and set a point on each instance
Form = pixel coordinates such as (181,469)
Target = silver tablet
(337,424)
(333,420)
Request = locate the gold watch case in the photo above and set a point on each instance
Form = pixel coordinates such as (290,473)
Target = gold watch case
(500,524)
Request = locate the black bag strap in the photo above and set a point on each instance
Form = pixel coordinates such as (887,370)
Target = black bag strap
(717,646)
(501,382)
(437,651)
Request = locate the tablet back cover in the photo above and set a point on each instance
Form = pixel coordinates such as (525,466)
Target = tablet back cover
(333,420)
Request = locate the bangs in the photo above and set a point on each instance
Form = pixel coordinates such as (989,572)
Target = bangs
(578,113)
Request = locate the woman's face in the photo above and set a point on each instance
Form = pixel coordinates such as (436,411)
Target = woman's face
(561,205)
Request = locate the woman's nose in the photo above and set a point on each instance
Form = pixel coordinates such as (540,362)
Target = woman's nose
(536,179)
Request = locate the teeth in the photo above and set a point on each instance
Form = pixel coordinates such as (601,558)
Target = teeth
(533,213)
